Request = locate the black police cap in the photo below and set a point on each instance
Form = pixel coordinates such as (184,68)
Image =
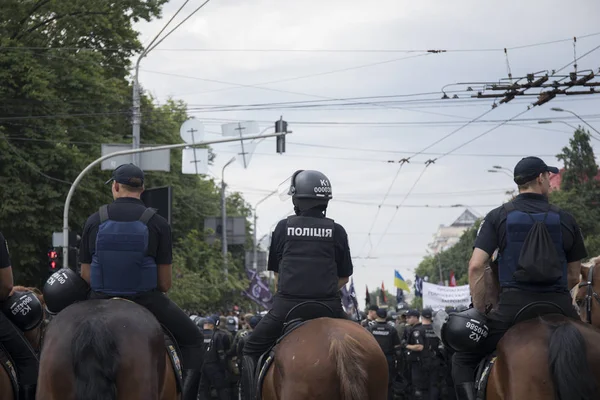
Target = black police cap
(530,168)
(128,174)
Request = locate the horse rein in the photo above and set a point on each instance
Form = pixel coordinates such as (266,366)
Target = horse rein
(590,294)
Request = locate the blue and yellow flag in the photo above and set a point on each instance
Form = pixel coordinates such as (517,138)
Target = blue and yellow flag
(399,281)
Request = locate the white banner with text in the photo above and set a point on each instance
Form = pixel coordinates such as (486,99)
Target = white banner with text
(439,297)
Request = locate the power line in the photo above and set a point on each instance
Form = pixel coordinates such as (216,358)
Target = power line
(493,49)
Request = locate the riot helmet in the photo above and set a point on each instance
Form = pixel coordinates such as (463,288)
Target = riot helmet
(24,310)
(64,288)
(464,331)
(309,189)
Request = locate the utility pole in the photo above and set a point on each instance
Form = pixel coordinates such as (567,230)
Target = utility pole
(255,247)
(224,216)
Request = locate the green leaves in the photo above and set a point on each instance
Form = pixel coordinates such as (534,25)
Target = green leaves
(64,68)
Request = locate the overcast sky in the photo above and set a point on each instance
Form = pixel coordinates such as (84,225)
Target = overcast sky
(353,143)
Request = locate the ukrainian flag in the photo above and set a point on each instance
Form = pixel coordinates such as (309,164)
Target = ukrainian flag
(399,281)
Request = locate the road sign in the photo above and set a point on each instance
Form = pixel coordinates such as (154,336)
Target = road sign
(240,128)
(192,131)
(194,161)
(159,160)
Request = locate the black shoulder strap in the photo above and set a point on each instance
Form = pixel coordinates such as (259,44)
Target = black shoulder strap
(149,213)
(103,213)
(554,208)
(509,207)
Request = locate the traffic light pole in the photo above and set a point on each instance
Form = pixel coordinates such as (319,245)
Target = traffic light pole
(136,151)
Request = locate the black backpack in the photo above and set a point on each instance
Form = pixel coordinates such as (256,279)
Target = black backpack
(539,262)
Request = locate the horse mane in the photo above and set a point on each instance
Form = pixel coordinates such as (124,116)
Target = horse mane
(349,357)
(33,290)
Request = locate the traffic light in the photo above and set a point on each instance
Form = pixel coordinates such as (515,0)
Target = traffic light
(280,127)
(53,260)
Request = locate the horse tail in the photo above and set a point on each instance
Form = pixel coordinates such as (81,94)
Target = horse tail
(573,379)
(95,361)
(349,357)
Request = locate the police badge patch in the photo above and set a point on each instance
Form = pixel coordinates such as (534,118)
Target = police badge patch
(416,333)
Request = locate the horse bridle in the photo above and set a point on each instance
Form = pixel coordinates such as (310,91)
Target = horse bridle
(590,294)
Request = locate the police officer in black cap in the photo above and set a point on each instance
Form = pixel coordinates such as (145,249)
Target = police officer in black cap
(388,340)
(11,338)
(507,228)
(138,269)
(311,260)
(215,369)
(431,362)
(415,344)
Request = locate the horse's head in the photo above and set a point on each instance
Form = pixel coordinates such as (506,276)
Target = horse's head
(34,336)
(586,296)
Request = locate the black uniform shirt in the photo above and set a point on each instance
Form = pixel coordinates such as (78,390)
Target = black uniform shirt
(129,209)
(4,254)
(416,335)
(343,258)
(492,232)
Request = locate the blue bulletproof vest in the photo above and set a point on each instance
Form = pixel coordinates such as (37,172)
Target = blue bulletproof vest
(120,264)
(518,224)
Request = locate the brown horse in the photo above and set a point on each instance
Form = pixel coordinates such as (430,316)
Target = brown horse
(552,357)
(587,296)
(34,337)
(327,358)
(105,349)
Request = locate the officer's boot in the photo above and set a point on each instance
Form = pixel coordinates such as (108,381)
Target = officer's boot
(465,391)
(248,389)
(191,383)
(27,392)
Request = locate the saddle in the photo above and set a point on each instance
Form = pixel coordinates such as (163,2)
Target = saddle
(530,311)
(9,365)
(295,318)
(172,350)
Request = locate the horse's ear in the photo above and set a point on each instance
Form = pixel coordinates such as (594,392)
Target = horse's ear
(584,271)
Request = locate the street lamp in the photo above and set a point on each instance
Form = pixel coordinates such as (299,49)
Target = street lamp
(547,121)
(224,215)
(581,119)
(255,249)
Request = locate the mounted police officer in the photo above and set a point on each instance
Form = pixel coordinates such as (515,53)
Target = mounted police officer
(388,340)
(526,273)
(11,337)
(311,260)
(139,268)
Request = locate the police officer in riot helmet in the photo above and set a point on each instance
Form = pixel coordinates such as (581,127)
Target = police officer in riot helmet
(310,257)
(388,340)
(540,248)
(13,324)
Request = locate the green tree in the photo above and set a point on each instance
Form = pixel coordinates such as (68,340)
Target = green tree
(456,259)
(579,160)
(64,68)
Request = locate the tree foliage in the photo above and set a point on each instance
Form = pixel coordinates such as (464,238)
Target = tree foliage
(64,68)
(456,259)
(580,191)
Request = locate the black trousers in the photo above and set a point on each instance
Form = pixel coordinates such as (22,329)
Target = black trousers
(391,375)
(188,336)
(20,350)
(214,375)
(510,303)
(269,329)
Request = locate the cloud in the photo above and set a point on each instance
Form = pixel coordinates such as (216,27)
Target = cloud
(365,176)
